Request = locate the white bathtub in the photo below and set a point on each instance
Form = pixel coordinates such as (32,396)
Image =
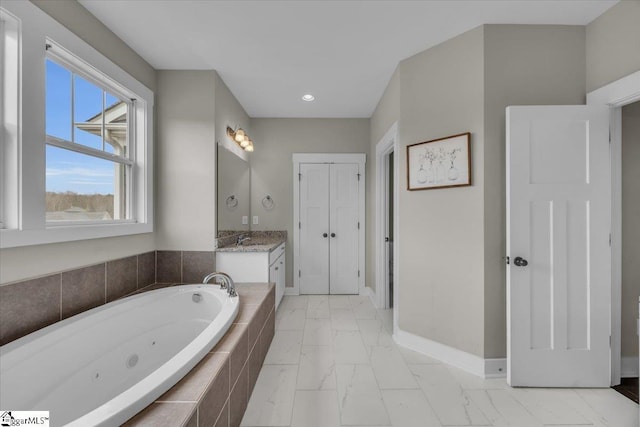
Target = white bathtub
(103,366)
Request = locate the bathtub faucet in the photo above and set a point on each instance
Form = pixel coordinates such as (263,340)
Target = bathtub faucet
(227,282)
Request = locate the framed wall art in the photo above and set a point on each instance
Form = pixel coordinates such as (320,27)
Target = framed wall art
(439,163)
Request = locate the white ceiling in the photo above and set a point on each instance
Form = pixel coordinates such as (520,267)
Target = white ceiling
(270,53)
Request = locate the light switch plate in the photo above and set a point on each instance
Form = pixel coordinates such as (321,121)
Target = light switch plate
(255,220)
(245,220)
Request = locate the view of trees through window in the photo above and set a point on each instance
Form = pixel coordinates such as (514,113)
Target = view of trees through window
(87,149)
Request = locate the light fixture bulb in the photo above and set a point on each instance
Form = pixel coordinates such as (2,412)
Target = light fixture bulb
(239,137)
(245,143)
(249,148)
(308,97)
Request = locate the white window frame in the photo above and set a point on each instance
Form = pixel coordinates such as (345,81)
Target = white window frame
(10,119)
(65,59)
(36,30)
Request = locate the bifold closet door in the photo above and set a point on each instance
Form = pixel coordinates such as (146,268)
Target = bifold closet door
(314,229)
(344,225)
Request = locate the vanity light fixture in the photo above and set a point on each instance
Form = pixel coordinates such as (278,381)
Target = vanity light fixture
(308,97)
(241,138)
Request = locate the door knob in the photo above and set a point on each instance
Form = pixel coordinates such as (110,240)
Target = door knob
(520,262)
(324,235)
(333,234)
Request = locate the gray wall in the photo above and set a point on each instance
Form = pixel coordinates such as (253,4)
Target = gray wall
(465,84)
(32,261)
(230,113)
(630,227)
(80,21)
(517,68)
(613,44)
(441,256)
(272,166)
(185,160)
(386,113)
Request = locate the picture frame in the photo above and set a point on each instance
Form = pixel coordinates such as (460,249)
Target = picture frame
(439,163)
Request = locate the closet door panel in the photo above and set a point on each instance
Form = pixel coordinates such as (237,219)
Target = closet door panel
(343,220)
(314,223)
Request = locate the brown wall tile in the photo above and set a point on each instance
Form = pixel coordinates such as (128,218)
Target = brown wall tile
(193,386)
(28,306)
(254,364)
(196,265)
(223,419)
(214,399)
(168,266)
(160,414)
(270,301)
(267,335)
(256,324)
(238,399)
(193,421)
(82,289)
(236,342)
(146,269)
(122,277)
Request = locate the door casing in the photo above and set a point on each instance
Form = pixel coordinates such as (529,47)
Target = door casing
(616,95)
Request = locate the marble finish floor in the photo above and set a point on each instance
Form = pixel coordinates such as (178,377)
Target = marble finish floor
(333,363)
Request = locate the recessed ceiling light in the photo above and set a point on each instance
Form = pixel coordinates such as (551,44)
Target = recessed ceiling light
(308,97)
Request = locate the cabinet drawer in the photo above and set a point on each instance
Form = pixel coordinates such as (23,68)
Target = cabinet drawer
(275,254)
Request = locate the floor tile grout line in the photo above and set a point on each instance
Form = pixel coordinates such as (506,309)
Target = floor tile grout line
(591,415)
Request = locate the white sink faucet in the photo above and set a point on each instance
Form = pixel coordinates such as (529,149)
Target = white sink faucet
(241,239)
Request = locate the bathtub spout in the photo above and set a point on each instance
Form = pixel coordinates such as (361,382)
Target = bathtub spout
(227,282)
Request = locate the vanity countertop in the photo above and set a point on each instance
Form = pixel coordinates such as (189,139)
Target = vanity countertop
(259,241)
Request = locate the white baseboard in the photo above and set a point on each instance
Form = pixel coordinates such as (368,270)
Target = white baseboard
(485,368)
(629,367)
(371,294)
(291,291)
(495,368)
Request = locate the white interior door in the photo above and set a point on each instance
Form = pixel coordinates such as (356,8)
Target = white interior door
(314,228)
(345,229)
(558,225)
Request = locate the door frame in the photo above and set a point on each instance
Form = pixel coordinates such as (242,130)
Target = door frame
(387,144)
(330,158)
(616,95)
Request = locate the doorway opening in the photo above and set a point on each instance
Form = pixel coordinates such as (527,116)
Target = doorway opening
(389,158)
(386,291)
(616,96)
(630,240)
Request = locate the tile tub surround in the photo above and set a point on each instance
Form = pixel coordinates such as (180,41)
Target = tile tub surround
(29,305)
(216,391)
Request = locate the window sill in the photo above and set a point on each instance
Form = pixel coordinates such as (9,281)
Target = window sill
(59,234)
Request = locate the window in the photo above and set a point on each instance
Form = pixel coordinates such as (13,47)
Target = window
(76,152)
(9,118)
(88,162)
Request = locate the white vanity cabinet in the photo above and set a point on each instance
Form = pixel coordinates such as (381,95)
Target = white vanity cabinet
(255,266)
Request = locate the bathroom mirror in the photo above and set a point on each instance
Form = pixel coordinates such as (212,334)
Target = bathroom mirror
(234,189)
